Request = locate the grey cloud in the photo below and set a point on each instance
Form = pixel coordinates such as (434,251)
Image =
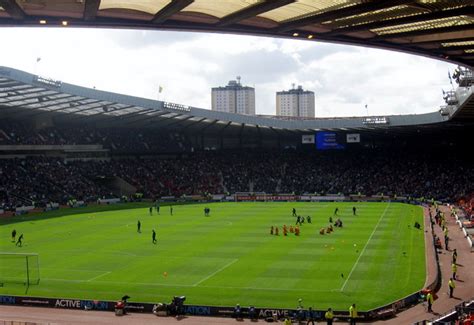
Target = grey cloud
(255,67)
(262,67)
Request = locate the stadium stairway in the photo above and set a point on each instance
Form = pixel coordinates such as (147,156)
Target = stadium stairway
(283,173)
(278,186)
(118,186)
(20,199)
(221,181)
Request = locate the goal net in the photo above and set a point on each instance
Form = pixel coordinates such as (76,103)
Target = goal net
(19,268)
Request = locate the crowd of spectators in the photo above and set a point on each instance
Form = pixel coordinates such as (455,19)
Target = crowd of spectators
(369,172)
(374,172)
(159,177)
(42,180)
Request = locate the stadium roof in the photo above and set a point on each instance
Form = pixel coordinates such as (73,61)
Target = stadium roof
(23,95)
(435,28)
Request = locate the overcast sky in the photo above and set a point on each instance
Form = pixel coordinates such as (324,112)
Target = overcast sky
(187,65)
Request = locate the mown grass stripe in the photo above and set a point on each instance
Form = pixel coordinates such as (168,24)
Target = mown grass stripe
(365,246)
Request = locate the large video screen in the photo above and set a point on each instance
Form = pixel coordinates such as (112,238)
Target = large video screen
(329,141)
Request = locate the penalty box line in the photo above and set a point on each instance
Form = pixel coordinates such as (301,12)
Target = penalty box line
(99,276)
(363,249)
(214,273)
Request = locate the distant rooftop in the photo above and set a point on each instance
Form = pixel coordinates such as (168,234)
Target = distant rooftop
(233,84)
(298,90)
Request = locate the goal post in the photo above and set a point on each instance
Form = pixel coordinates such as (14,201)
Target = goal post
(19,268)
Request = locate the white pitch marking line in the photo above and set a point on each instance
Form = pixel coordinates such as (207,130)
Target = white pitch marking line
(99,276)
(363,250)
(71,270)
(188,285)
(214,273)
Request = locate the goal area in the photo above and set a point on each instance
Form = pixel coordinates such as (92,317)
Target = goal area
(19,268)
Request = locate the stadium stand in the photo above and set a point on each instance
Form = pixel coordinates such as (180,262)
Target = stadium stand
(53,157)
(17,133)
(42,179)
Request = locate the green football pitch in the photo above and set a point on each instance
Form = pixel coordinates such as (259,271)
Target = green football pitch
(226,258)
